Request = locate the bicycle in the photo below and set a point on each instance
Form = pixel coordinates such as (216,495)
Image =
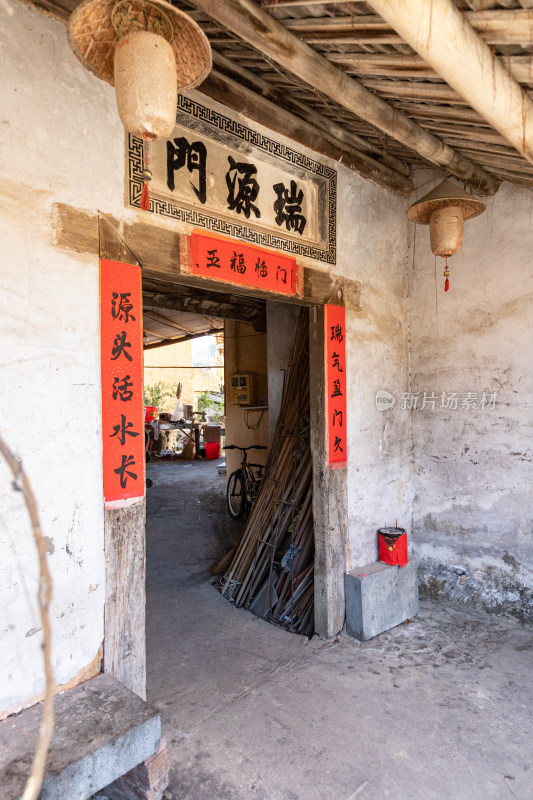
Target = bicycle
(243,484)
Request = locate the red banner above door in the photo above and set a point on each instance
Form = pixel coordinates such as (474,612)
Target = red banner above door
(243,264)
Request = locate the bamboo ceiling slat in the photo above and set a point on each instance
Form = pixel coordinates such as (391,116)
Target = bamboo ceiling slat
(357,41)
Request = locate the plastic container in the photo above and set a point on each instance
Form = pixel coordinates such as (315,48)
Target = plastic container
(212,449)
(392,546)
(150,413)
(212,433)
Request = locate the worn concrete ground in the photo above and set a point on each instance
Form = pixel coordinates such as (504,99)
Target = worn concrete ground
(440,707)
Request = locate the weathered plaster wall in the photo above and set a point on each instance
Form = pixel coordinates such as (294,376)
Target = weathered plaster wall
(61,139)
(282,319)
(371,233)
(245,350)
(473,509)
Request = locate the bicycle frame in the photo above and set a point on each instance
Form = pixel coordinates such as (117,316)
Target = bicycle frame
(249,477)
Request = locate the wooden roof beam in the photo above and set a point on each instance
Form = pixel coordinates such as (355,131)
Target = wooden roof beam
(310,114)
(501,27)
(175,303)
(269,36)
(254,106)
(439,32)
(179,339)
(395,65)
(166,321)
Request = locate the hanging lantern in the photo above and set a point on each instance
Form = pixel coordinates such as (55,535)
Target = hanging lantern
(445,209)
(149,51)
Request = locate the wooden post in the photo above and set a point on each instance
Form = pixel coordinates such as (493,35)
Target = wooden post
(124,625)
(330,497)
(125,556)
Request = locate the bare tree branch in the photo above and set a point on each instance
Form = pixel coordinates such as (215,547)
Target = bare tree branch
(44,596)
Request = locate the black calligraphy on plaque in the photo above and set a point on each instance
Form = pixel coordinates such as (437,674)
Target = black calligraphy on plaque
(122,388)
(337,392)
(119,347)
(288,207)
(335,359)
(121,306)
(193,155)
(283,277)
(123,471)
(261,268)
(237,263)
(243,188)
(212,259)
(123,429)
(336,333)
(337,416)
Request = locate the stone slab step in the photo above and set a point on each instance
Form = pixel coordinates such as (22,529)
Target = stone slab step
(102,730)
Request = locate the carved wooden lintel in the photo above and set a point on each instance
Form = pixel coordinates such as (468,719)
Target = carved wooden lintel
(164,253)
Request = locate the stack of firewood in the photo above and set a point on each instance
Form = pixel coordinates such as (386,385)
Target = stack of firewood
(272,571)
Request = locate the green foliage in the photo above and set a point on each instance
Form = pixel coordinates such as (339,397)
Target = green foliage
(213,408)
(157,392)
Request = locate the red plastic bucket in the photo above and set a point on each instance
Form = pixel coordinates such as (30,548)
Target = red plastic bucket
(212,449)
(150,413)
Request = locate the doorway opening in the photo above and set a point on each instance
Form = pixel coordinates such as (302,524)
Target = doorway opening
(250,385)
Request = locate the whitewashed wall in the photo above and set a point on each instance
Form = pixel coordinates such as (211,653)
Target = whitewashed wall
(60,139)
(473,505)
(371,233)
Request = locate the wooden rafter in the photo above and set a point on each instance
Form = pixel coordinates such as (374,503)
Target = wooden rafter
(154,315)
(319,138)
(339,133)
(393,72)
(179,339)
(269,36)
(441,32)
(500,27)
(396,65)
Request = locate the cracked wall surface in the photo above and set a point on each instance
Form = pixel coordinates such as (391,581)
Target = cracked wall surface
(473,478)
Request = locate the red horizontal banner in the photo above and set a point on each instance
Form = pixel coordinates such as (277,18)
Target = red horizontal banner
(122,380)
(335,352)
(243,264)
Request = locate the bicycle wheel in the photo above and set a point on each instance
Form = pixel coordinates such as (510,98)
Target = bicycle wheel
(235,494)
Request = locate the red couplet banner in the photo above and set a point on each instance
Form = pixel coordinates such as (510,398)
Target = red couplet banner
(335,353)
(122,380)
(235,262)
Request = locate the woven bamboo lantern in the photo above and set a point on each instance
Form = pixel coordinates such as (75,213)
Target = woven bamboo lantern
(445,209)
(149,51)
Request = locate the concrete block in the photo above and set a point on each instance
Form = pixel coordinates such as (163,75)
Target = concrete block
(379,597)
(147,781)
(102,730)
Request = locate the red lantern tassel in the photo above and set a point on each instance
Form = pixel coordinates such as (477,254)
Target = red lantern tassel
(146,176)
(145,198)
(446,273)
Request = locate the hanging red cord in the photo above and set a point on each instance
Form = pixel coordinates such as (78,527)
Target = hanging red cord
(446,273)
(146,176)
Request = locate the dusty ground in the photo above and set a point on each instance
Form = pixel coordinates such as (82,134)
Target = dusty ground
(440,707)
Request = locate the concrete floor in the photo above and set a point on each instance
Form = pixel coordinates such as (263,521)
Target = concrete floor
(440,707)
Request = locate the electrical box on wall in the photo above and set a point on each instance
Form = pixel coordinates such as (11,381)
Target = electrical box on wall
(242,389)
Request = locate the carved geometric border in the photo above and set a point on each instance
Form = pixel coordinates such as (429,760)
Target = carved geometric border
(193,115)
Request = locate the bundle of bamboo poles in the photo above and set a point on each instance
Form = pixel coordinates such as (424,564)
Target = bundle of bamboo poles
(272,570)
